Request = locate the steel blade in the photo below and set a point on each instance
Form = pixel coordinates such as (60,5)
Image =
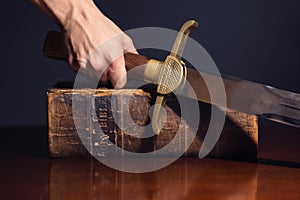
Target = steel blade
(246,96)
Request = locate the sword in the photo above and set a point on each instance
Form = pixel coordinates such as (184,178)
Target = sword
(171,75)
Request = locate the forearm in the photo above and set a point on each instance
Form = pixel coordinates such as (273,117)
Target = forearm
(64,11)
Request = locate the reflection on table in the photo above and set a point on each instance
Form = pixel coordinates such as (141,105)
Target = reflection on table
(184,179)
(26,172)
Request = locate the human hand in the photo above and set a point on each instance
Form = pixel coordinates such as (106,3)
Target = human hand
(96,45)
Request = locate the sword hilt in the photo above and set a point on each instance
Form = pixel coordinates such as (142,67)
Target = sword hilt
(170,74)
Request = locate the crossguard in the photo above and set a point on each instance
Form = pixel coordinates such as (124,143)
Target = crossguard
(170,74)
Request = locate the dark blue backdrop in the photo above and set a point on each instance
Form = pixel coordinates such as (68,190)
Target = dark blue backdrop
(258,40)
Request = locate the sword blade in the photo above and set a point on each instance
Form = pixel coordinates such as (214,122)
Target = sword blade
(246,96)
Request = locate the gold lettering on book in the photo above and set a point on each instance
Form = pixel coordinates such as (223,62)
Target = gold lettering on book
(103,114)
(101,146)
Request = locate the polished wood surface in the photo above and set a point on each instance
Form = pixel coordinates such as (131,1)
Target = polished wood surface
(27,177)
(26,172)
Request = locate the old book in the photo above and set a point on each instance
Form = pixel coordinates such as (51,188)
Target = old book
(238,139)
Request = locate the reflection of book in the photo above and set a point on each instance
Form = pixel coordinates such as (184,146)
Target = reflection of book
(238,138)
(186,178)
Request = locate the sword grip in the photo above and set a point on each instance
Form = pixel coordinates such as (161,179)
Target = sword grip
(55,47)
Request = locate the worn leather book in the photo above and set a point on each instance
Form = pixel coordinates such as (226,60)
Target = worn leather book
(238,139)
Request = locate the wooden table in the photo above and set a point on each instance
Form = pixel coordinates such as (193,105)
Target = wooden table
(26,172)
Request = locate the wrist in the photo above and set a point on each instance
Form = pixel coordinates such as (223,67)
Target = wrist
(67,12)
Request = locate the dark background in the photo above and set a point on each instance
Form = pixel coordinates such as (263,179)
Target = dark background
(250,39)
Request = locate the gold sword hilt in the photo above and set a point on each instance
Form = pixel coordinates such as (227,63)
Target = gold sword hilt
(170,74)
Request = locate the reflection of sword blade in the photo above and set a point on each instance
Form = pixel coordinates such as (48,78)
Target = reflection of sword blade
(249,97)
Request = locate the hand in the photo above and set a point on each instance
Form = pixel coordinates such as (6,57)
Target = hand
(94,43)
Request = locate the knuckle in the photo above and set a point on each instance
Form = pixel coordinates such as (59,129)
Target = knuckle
(127,40)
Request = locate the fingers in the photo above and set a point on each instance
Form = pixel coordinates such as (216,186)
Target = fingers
(117,73)
(105,62)
(108,62)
